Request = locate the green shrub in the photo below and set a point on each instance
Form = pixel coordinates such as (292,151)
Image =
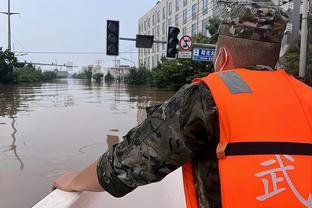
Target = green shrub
(28,74)
(8,64)
(109,77)
(98,77)
(79,76)
(141,76)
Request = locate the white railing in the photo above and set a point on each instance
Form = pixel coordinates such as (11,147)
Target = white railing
(59,199)
(166,194)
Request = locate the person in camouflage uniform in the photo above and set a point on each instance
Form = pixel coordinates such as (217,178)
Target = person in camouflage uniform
(186,127)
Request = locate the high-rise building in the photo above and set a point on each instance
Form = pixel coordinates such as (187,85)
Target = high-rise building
(191,16)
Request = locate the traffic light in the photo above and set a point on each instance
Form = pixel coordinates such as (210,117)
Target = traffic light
(172,42)
(112,38)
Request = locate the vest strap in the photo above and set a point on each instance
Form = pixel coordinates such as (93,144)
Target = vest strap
(263,148)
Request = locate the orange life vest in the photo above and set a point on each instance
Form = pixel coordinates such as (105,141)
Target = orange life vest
(265,149)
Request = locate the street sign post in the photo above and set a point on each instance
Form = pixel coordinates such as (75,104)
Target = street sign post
(203,52)
(186,43)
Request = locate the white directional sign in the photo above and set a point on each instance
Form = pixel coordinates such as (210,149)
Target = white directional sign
(186,43)
(185,54)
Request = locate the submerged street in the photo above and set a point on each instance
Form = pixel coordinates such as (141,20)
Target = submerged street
(47,128)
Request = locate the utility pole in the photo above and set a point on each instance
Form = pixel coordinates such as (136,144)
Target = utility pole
(9,25)
(99,68)
(119,71)
(9,13)
(295,21)
(304,40)
(117,67)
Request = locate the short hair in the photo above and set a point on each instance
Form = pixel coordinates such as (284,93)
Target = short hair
(246,52)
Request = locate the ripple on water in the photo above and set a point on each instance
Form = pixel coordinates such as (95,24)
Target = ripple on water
(63,123)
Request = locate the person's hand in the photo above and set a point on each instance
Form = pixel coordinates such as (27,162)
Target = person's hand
(85,180)
(64,182)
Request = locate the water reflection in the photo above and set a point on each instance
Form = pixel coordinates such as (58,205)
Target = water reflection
(66,124)
(9,100)
(13,146)
(144,100)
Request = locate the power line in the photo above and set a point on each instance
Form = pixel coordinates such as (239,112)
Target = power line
(189,21)
(72,52)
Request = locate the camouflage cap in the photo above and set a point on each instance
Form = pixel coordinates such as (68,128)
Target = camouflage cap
(255,20)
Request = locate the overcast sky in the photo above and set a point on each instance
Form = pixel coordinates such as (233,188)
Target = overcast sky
(71,25)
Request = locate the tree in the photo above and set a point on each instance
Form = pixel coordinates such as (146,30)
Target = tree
(8,63)
(98,77)
(88,72)
(109,77)
(140,76)
(28,74)
(213,28)
(290,60)
(49,75)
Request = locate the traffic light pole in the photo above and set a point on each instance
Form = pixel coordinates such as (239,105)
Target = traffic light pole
(112,39)
(134,39)
(129,39)
(159,41)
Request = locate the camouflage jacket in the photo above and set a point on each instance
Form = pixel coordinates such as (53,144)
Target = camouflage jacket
(184,127)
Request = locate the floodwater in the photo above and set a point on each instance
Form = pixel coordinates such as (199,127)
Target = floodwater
(46,129)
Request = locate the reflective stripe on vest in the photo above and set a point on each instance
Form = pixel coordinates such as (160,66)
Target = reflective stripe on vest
(265,120)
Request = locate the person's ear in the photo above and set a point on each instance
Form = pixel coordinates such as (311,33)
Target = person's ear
(221,59)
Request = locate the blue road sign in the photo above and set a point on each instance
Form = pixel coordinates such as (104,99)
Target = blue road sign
(203,54)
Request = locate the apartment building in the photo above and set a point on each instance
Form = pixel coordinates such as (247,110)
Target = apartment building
(191,16)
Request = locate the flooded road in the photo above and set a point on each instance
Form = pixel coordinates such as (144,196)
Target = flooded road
(46,129)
